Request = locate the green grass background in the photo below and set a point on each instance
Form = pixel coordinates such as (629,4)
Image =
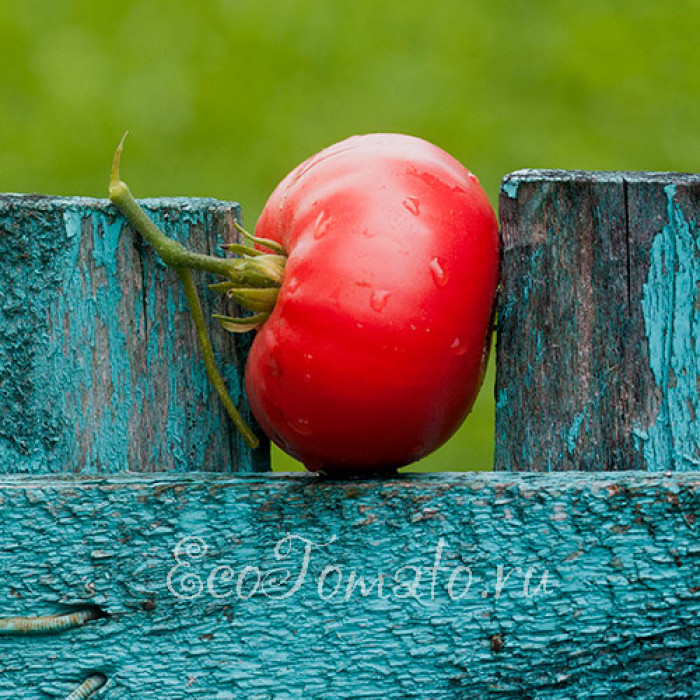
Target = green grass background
(223,98)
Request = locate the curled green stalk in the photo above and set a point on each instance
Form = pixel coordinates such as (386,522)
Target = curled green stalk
(253,280)
(213,373)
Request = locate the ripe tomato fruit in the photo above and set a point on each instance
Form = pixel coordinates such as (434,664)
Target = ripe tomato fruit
(372,303)
(376,348)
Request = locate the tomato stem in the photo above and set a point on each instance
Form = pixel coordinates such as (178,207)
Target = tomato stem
(172,253)
(255,270)
(208,356)
(183,261)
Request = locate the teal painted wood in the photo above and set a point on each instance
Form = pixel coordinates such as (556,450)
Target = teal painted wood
(98,360)
(619,615)
(598,343)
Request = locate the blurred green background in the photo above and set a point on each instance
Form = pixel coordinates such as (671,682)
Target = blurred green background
(224,97)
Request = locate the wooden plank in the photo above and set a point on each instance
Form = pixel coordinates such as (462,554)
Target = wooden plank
(98,359)
(598,322)
(617,616)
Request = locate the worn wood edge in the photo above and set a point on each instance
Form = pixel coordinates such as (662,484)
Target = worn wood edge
(45,202)
(277,480)
(510,183)
(531,175)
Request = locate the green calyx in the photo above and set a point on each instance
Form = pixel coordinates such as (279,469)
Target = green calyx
(252,280)
(241,325)
(251,298)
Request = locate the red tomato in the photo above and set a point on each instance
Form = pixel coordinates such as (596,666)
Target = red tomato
(376,348)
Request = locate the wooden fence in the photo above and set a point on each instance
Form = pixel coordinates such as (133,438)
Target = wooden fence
(130,569)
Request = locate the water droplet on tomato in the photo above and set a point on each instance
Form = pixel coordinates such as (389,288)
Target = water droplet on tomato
(323,221)
(301,426)
(291,284)
(413,205)
(458,347)
(378,299)
(438,271)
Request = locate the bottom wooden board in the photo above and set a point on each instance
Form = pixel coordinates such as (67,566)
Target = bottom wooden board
(426,586)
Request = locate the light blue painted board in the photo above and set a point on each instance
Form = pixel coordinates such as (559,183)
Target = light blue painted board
(99,369)
(619,615)
(598,350)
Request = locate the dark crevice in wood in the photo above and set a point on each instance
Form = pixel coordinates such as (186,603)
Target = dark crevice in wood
(75,616)
(627,242)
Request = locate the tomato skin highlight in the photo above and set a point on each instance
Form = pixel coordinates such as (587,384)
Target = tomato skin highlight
(376,348)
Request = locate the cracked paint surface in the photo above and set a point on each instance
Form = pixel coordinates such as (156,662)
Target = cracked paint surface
(671,307)
(598,363)
(98,359)
(619,615)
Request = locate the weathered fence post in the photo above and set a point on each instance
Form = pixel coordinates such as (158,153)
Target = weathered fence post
(599,322)
(99,368)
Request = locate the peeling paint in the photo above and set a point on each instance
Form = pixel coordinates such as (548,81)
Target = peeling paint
(575,429)
(510,186)
(100,371)
(616,617)
(598,307)
(672,323)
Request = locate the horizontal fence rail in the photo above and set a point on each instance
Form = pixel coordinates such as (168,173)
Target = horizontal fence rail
(425,586)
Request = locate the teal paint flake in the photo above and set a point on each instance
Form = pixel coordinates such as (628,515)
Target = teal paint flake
(510,187)
(117,323)
(575,429)
(502,400)
(85,320)
(537,263)
(672,324)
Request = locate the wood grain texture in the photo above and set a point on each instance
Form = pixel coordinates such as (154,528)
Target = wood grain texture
(599,322)
(619,615)
(99,369)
